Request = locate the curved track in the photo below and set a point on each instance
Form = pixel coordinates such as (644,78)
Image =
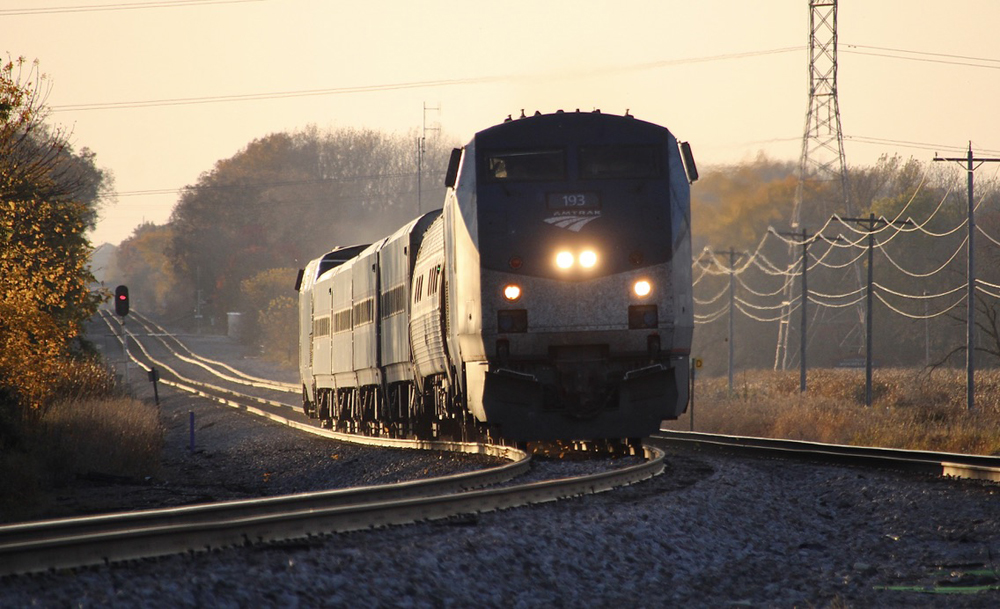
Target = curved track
(938,464)
(75,542)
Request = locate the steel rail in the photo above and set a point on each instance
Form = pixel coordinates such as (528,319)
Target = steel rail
(207,363)
(198,387)
(78,542)
(206,390)
(979,467)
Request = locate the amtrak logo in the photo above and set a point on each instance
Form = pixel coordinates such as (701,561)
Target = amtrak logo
(573,221)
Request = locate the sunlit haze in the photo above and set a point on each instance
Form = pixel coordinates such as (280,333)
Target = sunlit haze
(915,76)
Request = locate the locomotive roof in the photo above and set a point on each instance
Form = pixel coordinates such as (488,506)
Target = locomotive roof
(569,127)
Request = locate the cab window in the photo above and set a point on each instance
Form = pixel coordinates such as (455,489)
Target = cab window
(619,162)
(526,165)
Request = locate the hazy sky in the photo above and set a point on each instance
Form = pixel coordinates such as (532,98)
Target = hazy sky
(915,77)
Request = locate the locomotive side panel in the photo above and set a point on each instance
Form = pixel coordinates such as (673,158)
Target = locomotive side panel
(680,223)
(464,310)
(463,265)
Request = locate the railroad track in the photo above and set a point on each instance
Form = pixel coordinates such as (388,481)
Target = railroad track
(280,412)
(183,353)
(111,538)
(210,366)
(925,462)
(96,540)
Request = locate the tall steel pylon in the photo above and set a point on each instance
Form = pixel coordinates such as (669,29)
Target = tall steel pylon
(822,143)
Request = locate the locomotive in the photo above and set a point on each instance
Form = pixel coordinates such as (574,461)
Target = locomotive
(548,300)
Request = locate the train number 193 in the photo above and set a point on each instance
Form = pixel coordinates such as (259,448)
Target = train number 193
(573,200)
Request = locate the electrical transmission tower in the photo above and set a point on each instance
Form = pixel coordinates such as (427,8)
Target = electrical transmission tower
(822,157)
(421,150)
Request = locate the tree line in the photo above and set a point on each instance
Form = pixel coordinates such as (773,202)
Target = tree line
(237,237)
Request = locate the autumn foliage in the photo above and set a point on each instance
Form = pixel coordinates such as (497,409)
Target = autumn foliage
(48,196)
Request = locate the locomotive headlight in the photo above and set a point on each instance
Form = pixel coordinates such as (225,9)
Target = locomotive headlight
(588,259)
(511,292)
(564,260)
(642,288)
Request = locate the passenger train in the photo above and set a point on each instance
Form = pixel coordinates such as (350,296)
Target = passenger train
(549,300)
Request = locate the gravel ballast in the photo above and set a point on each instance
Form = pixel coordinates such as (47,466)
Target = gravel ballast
(708,532)
(711,531)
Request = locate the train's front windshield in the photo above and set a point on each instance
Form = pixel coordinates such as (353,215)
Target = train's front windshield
(526,165)
(619,162)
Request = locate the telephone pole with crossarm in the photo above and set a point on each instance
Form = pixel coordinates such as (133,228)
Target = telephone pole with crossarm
(971,164)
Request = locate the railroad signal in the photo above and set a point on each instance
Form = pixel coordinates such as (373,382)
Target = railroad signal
(121,300)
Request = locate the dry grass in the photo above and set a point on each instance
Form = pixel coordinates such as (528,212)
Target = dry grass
(115,436)
(911,409)
(111,436)
(94,429)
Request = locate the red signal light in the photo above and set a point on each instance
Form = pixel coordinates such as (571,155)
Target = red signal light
(121,300)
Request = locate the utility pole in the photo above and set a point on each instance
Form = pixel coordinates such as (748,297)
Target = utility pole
(807,240)
(732,306)
(971,164)
(872,222)
(805,318)
(927,334)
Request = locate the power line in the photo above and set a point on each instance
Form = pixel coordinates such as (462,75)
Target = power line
(918,317)
(966,57)
(11,12)
(941,268)
(275,184)
(861,139)
(212,99)
(925,60)
(924,296)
